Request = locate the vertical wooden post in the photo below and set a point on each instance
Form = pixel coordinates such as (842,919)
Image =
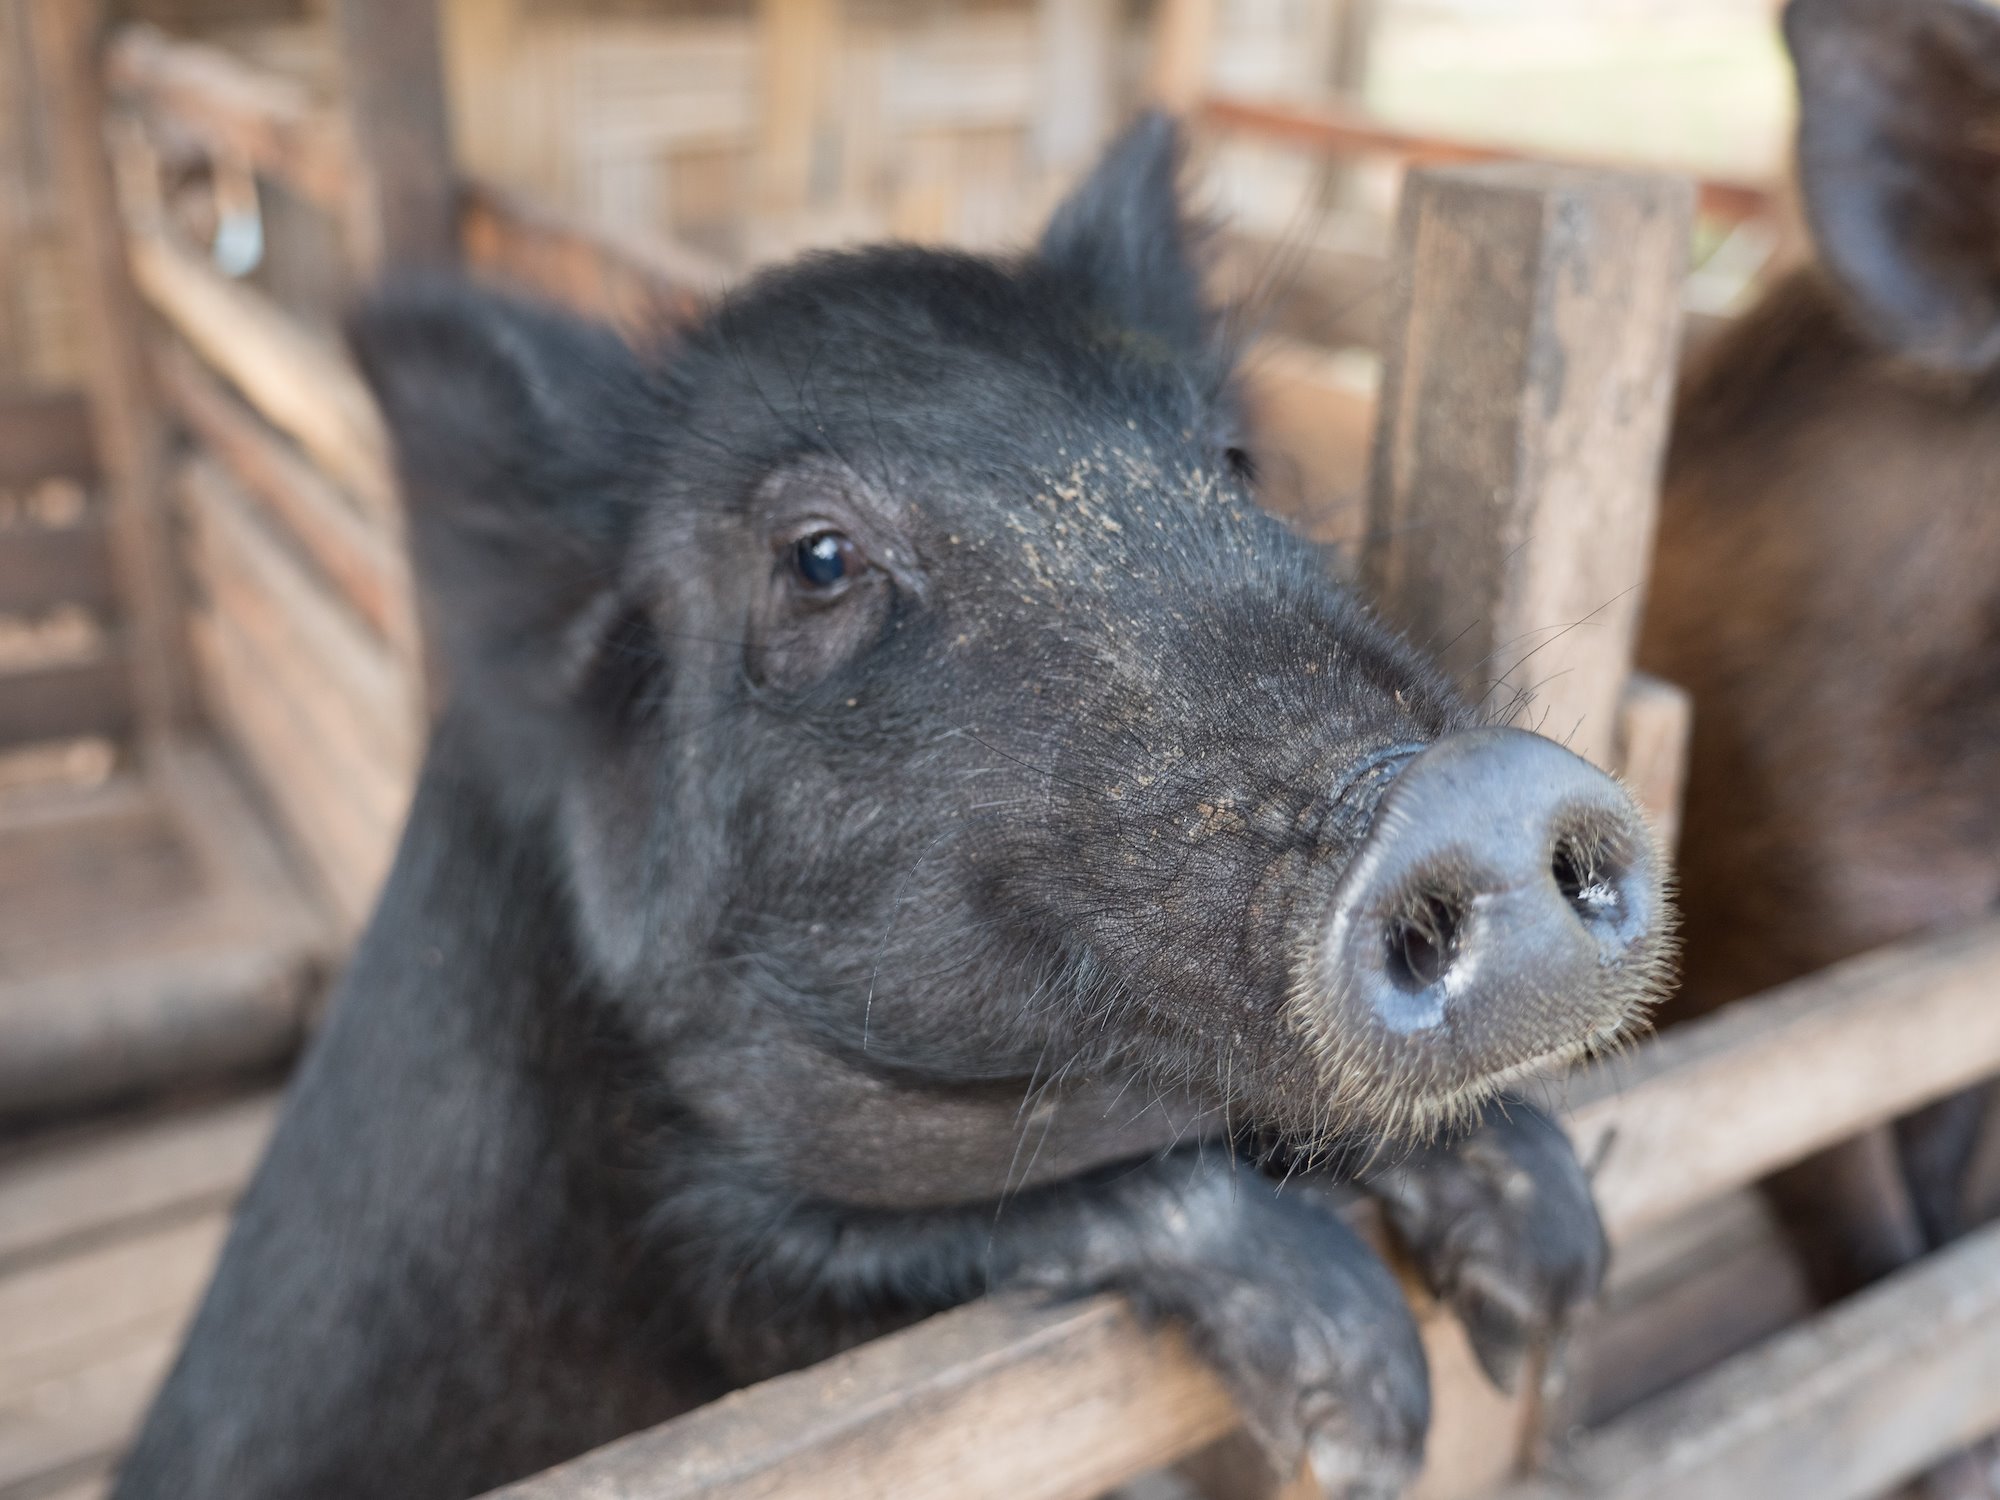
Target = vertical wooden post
(1182,34)
(796,42)
(130,433)
(403,204)
(1524,405)
(1526,381)
(404,210)
(1078,41)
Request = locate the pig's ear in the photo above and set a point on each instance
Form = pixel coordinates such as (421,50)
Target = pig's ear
(514,432)
(1899,162)
(1125,242)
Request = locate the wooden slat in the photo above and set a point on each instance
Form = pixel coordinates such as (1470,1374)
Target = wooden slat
(1839,1409)
(1003,1400)
(1705,1110)
(641,286)
(73,1192)
(65,701)
(299,383)
(343,681)
(234,110)
(1650,750)
(150,1020)
(130,433)
(1183,36)
(44,435)
(401,202)
(1518,437)
(349,851)
(43,567)
(351,550)
(1343,130)
(88,1338)
(1726,1100)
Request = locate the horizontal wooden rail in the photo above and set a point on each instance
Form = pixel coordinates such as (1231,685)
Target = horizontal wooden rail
(299,382)
(43,567)
(1339,131)
(984,1388)
(228,107)
(1840,1408)
(45,435)
(64,700)
(353,551)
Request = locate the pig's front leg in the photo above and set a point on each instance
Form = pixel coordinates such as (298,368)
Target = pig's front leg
(1501,1225)
(1302,1321)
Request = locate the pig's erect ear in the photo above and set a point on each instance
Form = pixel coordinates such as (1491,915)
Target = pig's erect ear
(1899,162)
(1124,240)
(513,427)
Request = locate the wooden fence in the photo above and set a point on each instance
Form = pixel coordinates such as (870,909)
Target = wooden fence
(1529,349)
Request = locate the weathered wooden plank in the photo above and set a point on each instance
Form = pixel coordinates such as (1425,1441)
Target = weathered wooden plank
(640,286)
(73,1192)
(320,656)
(797,43)
(348,852)
(1707,1109)
(402,208)
(1522,418)
(88,1337)
(300,384)
(46,434)
(149,1019)
(1341,129)
(130,434)
(1724,1101)
(1650,749)
(235,110)
(1183,35)
(65,700)
(352,550)
(1004,1399)
(43,567)
(1840,1408)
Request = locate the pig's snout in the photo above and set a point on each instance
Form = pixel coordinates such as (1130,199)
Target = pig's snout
(1505,909)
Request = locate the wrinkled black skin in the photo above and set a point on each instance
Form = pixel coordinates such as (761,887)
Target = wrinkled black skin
(761,974)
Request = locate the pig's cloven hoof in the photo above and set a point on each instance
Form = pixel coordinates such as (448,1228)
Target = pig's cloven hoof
(1313,1337)
(1502,1227)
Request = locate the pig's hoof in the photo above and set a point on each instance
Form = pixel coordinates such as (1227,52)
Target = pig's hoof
(1502,1227)
(1313,1337)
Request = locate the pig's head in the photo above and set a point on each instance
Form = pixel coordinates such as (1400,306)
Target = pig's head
(912,690)
(1827,579)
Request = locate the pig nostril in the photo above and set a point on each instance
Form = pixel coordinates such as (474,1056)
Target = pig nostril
(1423,941)
(1588,875)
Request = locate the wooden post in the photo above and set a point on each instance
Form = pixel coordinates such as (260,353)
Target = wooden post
(1524,403)
(1181,37)
(130,434)
(796,43)
(403,203)
(1079,41)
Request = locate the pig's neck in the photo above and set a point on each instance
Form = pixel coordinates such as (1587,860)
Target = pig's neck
(436,1281)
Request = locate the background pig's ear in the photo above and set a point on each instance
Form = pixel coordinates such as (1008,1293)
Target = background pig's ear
(515,429)
(1899,162)
(1123,239)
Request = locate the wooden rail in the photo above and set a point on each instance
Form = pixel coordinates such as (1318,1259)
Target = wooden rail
(1341,130)
(972,1404)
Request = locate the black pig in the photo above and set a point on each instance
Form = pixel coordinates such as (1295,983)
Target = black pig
(903,817)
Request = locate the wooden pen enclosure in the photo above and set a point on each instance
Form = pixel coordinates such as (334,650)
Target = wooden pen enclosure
(222,688)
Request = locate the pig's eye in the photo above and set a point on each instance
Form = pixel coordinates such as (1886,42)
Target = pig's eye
(825,560)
